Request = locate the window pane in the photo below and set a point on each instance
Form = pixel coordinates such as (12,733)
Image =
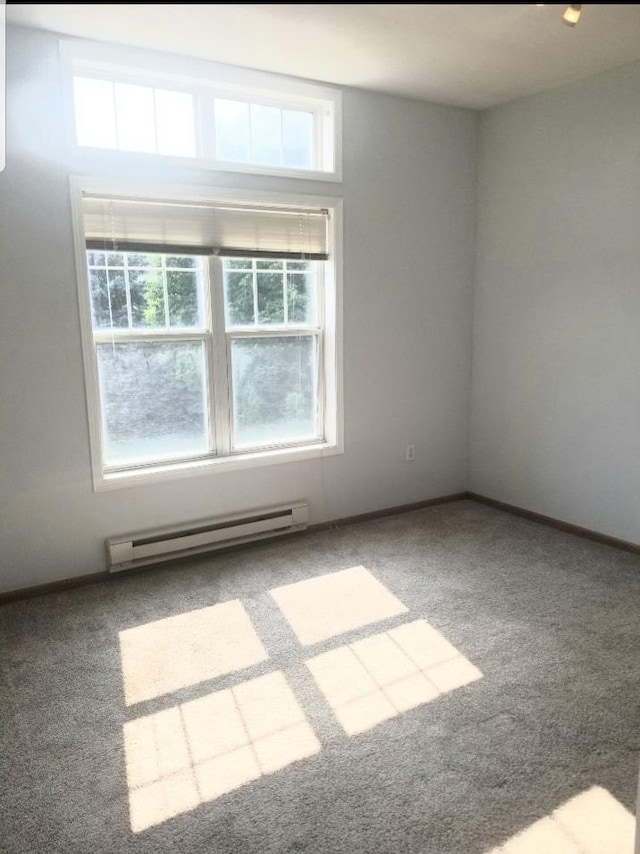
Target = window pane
(136,118)
(108,299)
(136,260)
(237,264)
(297,132)
(232,130)
(118,293)
(238,292)
(95,112)
(146,292)
(184,298)
(301,296)
(100,308)
(274,390)
(266,135)
(151,287)
(270,297)
(154,401)
(181,262)
(96,259)
(175,123)
(269,265)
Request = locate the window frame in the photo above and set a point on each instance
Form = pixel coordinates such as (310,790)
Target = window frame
(151,335)
(206,81)
(265,331)
(330,393)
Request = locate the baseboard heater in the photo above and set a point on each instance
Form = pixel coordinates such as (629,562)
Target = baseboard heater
(151,547)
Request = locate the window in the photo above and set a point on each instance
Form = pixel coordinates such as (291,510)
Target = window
(257,133)
(210,331)
(150,331)
(130,117)
(271,317)
(223,118)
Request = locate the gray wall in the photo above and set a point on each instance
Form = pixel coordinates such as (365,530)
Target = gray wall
(556,364)
(409,200)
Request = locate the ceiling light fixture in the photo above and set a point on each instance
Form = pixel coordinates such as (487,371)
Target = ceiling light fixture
(572,14)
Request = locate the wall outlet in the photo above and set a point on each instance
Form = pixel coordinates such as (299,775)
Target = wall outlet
(410,453)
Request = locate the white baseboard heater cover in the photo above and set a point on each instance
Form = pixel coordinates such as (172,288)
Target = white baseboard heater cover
(151,547)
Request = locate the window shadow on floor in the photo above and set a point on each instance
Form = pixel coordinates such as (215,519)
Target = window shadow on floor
(221,706)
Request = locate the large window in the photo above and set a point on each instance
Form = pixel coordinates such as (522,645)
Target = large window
(222,117)
(211,332)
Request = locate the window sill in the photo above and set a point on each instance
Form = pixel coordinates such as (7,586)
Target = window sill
(178,471)
(86,155)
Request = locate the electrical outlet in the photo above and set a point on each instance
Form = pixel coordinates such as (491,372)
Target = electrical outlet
(410,453)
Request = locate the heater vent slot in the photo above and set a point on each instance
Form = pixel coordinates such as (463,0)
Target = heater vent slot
(199,537)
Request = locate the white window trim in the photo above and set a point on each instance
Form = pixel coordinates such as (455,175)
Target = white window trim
(188,74)
(333,351)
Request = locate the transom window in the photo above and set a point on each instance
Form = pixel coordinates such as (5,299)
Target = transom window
(274,127)
(263,134)
(130,117)
(203,349)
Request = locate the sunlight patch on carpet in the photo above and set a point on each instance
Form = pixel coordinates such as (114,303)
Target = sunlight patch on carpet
(186,649)
(189,754)
(329,605)
(593,822)
(373,680)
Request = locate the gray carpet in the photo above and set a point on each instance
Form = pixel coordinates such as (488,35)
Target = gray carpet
(549,620)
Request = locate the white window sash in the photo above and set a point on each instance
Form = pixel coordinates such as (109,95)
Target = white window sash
(218,342)
(260,88)
(330,390)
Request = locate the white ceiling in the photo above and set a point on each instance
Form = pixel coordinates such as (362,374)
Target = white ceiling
(466,55)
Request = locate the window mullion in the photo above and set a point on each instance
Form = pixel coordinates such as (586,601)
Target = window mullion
(320,386)
(321,355)
(165,291)
(220,372)
(319,281)
(254,280)
(127,291)
(285,291)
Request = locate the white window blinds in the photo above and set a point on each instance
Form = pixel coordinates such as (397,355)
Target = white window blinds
(205,228)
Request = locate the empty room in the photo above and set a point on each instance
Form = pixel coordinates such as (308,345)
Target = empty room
(320,429)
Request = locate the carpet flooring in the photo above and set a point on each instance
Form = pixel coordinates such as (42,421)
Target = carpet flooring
(454,680)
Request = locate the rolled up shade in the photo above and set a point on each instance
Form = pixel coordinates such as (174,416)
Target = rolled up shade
(228,229)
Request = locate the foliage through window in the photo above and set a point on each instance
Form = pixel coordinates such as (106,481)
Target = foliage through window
(153,334)
(274,373)
(153,392)
(210,328)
